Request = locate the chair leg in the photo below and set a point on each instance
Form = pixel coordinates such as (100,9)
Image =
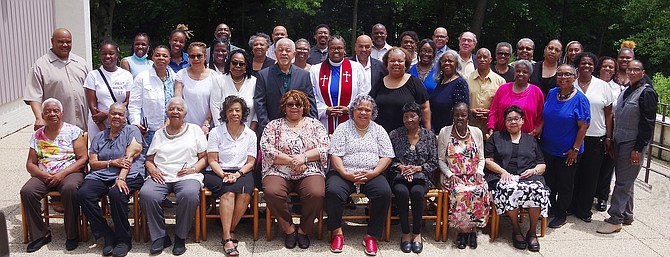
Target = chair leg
(387,235)
(268,224)
(445,216)
(136,215)
(543,226)
(255,211)
(145,228)
(45,209)
(197,224)
(83,234)
(319,226)
(438,216)
(203,214)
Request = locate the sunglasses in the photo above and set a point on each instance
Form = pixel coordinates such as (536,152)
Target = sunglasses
(196,56)
(294,104)
(503,54)
(237,64)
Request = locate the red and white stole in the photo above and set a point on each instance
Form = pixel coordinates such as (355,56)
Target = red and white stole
(345,90)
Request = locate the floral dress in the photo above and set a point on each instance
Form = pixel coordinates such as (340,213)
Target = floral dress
(469,202)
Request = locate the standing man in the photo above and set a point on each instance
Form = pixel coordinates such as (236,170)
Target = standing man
(336,82)
(274,81)
(440,37)
(483,85)
(374,69)
(466,44)
(379,45)
(222,31)
(633,128)
(278,33)
(58,74)
(319,52)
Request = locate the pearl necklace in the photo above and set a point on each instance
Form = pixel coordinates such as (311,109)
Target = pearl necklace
(361,129)
(238,81)
(462,136)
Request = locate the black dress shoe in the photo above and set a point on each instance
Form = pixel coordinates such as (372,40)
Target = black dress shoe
(533,247)
(557,222)
(71,244)
(472,240)
(179,247)
(417,247)
(158,245)
(37,244)
(461,240)
(122,249)
(406,246)
(291,240)
(602,205)
(109,245)
(518,244)
(584,219)
(303,241)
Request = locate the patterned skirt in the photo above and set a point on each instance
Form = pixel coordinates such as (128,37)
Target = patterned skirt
(469,203)
(521,194)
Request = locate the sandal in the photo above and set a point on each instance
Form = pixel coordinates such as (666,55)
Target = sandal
(233,238)
(230,251)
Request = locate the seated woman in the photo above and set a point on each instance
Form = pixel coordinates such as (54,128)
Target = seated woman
(294,151)
(231,152)
(117,170)
(56,158)
(412,170)
(360,152)
(174,159)
(461,159)
(515,164)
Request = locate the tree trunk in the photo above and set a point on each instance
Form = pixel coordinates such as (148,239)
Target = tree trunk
(478,18)
(353,26)
(101,21)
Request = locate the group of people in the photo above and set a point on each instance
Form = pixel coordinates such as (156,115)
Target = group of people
(543,136)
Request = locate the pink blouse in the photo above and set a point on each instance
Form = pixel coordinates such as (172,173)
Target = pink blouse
(531,102)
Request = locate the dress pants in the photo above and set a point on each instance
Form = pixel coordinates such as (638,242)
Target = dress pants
(561,180)
(90,193)
(188,199)
(605,178)
(586,178)
(32,193)
(404,192)
(621,207)
(376,190)
(311,191)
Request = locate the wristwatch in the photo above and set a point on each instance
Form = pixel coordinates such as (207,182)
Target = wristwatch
(576,149)
(240,172)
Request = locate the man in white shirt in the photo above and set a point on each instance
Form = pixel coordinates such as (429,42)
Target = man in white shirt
(379,45)
(466,44)
(278,33)
(337,81)
(374,69)
(440,37)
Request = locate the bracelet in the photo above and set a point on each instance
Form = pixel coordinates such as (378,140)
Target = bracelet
(534,171)
(240,172)
(120,178)
(305,158)
(108,163)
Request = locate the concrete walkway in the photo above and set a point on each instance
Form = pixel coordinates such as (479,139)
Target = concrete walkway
(648,236)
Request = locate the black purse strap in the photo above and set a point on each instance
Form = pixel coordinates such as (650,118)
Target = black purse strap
(108,87)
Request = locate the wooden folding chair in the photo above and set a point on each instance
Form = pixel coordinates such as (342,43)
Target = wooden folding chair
(135,203)
(365,217)
(437,194)
(494,221)
(214,213)
(196,223)
(269,218)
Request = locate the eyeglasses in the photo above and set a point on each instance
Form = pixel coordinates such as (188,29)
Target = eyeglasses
(237,63)
(634,70)
(503,54)
(336,49)
(302,50)
(426,51)
(525,48)
(294,104)
(513,119)
(196,56)
(564,74)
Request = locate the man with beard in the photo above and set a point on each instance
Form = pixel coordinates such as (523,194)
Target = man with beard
(379,45)
(319,52)
(336,82)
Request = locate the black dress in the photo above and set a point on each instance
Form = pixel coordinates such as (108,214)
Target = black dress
(390,101)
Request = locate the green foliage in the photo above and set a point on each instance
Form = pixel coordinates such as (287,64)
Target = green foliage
(650,23)
(662,87)
(308,7)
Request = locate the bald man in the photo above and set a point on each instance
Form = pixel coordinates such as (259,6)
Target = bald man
(379,45)
(483,85)
(58,74)
(440,37)
(374,69)
(278,33)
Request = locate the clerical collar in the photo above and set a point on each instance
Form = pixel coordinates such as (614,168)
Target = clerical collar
(335,64)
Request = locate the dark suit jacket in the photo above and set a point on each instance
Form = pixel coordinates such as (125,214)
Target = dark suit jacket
(377,71)
(269,91)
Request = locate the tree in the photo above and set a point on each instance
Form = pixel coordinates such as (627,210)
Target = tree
(650,23)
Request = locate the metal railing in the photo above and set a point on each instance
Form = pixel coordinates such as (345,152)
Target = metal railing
(658,147)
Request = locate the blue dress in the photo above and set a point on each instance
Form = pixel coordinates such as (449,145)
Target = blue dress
(443,99)
(429,82)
